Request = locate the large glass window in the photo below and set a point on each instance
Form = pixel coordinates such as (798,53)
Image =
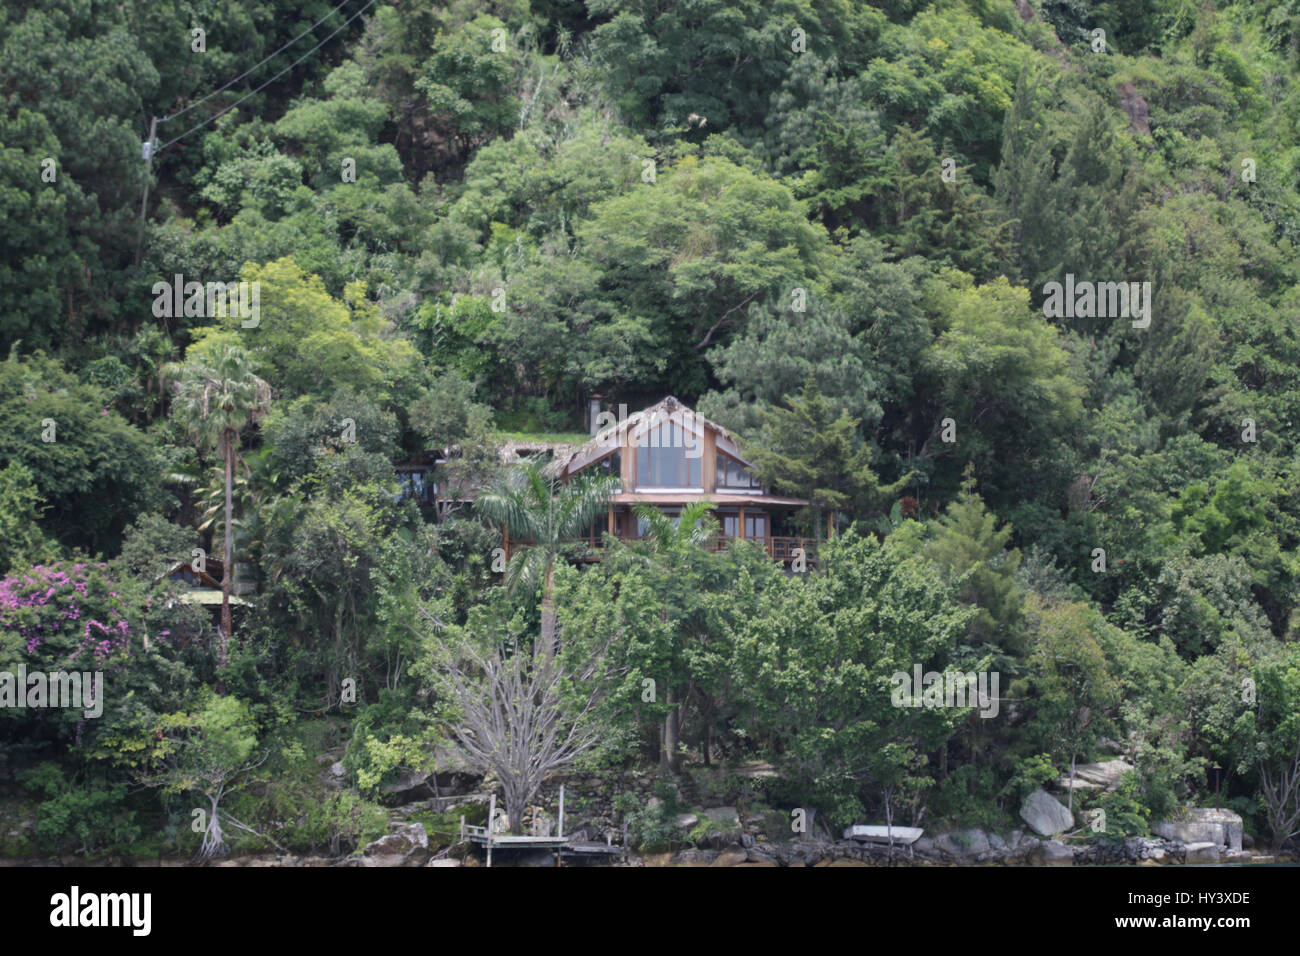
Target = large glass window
(755,526)
(415,484)
(732,474)
(612,464)
(661,458)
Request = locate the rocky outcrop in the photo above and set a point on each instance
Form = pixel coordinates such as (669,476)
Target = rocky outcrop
(407,845)
(1105,776)
(1221,828)
(731,856)
(966,844)
(949,850)
(726,816)
(1054,853)
(449,777)
(1045,814)
(1132,103)
(694,857)
(727,829)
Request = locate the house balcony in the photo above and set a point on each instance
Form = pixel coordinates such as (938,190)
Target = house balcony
(778,547)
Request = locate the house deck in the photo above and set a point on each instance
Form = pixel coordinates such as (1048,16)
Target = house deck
(778,547)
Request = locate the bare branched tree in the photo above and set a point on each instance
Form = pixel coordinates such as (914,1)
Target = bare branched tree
(521,716)
(1280,788)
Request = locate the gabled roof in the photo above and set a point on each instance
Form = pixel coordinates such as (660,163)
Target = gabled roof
(209,578)
(211,575)
(610,439)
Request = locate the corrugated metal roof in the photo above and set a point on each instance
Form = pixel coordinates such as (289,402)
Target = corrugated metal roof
(207,596)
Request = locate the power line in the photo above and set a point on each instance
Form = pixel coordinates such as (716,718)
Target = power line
(256,65)
(267,83)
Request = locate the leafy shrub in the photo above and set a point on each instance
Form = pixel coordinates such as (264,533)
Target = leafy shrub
(86,817)
(338,822)
(649,829)
(703,832)
(1126,813)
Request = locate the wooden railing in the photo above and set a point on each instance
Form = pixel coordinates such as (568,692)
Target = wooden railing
(778,547)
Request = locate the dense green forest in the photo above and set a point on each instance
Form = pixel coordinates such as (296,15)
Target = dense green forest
(831,226)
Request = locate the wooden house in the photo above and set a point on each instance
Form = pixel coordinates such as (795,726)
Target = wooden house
(669,456)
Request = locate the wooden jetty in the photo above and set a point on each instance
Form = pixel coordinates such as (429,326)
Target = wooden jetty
(559,844)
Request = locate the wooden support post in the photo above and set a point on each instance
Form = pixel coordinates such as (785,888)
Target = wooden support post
(492,812)
(611,521)
(560,827)
(741,524)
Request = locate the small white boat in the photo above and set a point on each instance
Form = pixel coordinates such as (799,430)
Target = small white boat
(903,836)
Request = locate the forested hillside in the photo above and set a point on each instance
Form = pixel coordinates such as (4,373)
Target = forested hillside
(877,240)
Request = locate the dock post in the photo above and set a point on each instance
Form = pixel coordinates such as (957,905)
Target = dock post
(462,828)
(492,812)
(560,830)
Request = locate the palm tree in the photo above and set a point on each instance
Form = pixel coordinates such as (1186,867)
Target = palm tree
(695,528)
(669,538)
(545,513)
(217,394)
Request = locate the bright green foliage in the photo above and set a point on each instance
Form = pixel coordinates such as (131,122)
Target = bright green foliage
(972,551)
(816,656)
(716,59)
(534,183)
(826,224)
(468,86)
(1005,378)
(1272,741)
(1073,692)
(152,546)
(95,473)
(22,542)
(308,342)
(690,252)
(807,449)
(208,753)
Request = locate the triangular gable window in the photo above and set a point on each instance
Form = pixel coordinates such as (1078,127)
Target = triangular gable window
(668,456)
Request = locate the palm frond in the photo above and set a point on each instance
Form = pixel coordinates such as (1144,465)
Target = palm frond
(659,530)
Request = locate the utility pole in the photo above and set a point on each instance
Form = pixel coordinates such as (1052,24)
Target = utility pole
(148,174)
